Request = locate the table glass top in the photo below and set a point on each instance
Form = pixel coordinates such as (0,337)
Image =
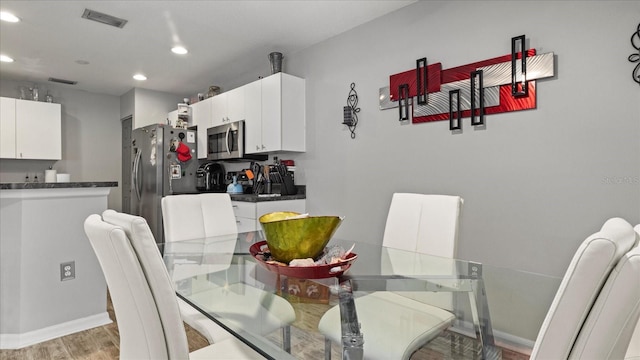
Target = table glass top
(219,276)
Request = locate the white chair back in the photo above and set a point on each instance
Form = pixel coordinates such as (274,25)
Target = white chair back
(607,331)
(633,351)
(157,277)
(585,276)
(194,216)
(423,223)
(141,331)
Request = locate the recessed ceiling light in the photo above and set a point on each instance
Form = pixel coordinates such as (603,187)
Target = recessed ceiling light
(82,62)
(9,17)
(179,50)
(139,77)
(5,58)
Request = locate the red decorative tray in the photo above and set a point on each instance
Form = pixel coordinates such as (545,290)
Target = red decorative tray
(302,272)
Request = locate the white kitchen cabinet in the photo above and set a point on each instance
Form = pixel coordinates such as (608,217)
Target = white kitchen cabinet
(248,213)
(253,112)
(7,128)
(37,129)
(228,107)
(282,115)
(202,116)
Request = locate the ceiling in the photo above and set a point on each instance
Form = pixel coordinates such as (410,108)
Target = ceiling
(224,39)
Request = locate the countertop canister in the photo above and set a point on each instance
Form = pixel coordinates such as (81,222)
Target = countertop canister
(50,176)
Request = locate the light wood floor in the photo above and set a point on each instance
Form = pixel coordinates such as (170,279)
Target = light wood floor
(102,343)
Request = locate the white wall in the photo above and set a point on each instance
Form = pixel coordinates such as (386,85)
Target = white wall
(536,182)
(86,155)
(152,107)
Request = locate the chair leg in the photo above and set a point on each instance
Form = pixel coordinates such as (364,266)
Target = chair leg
(327,349)
(286,339)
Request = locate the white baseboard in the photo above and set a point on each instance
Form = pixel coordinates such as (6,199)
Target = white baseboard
(501,339)
(17,341)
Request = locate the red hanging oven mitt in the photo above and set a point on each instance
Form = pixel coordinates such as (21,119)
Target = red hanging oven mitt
(184,153)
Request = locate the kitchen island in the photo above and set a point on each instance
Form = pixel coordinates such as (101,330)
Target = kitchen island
(51,283)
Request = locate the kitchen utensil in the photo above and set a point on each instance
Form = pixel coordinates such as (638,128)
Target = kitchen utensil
(297,238)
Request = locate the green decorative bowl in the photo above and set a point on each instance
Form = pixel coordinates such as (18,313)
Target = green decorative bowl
(297,238)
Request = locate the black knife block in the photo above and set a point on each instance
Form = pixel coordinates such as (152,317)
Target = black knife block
(288,187)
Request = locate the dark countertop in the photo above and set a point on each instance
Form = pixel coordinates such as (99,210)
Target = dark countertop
(258,198)
(302,194)
(67,185)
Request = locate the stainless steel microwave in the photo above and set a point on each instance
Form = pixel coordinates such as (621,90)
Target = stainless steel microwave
(226,142)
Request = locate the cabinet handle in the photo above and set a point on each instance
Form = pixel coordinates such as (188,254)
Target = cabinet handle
(263,147)
(257,147)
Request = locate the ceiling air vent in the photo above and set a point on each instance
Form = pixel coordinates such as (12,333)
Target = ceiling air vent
(104,18)
(63,81)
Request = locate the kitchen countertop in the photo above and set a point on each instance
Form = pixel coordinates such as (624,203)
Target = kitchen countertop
(67,185)
(302,194)
(258,198)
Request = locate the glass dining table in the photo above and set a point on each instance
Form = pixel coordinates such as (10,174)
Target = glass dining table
(498,311)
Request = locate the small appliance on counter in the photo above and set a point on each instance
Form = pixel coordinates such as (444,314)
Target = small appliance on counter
(242,179)
(210,177)
(234,187)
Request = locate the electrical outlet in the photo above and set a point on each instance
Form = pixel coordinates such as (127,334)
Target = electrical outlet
(68,271)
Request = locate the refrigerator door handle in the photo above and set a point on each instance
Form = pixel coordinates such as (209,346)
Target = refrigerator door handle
(135,172)
(226,139)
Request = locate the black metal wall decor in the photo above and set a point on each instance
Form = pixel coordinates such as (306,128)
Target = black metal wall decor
(351,111)
(455,115)
(519,86)
(403,102)
(422,77)
(476,86)
(635,42)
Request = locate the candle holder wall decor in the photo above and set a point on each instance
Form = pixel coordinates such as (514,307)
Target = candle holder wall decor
(351,111)
(635,42)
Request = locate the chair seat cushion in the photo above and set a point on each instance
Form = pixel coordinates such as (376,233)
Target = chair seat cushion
(230,349)
(407,324)
(213,332)
(243,304)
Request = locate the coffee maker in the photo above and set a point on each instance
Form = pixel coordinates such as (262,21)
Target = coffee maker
(210,177)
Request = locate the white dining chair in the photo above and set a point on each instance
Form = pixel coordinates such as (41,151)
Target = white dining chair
(607,331)
(194,216)
(149,325)
(417,223)
(588,271)
(633,351)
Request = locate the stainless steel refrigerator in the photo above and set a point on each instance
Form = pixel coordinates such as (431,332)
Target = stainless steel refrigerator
(164,163)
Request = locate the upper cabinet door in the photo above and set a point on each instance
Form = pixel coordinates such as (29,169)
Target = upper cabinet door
(202,116)
(7,128)
(272,113)
(38,130)
(219,103)
(253,114)
(235,104)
